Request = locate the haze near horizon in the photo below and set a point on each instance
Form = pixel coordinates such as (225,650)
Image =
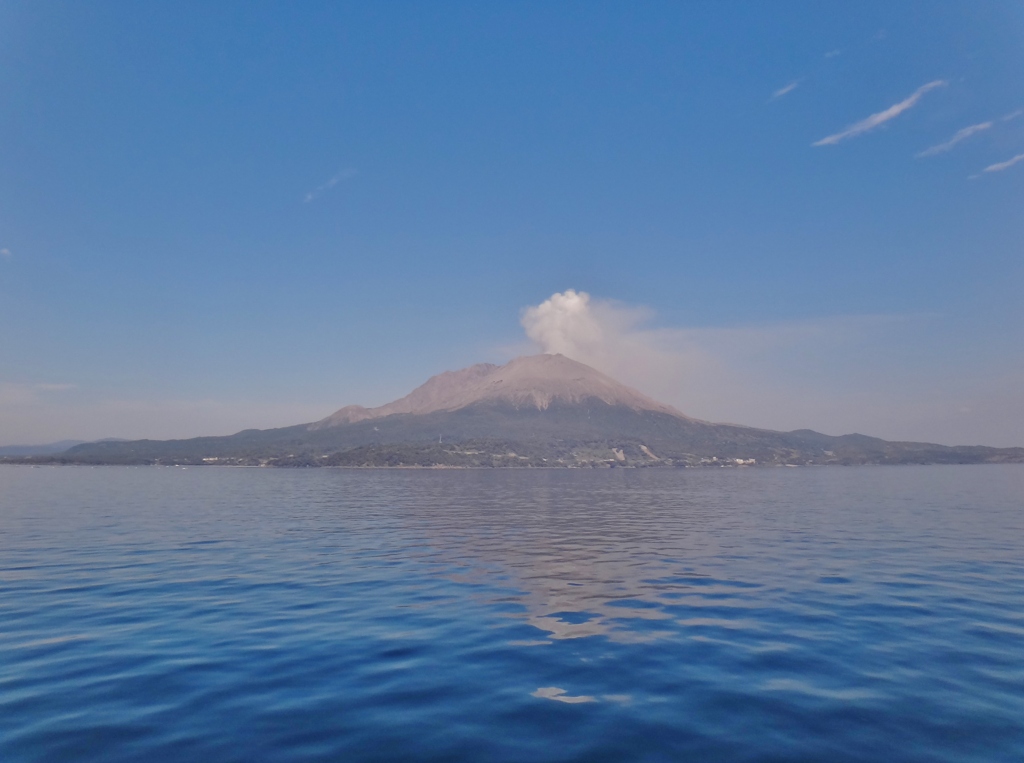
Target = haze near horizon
(249,215)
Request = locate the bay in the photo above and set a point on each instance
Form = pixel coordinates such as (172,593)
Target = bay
(184,614)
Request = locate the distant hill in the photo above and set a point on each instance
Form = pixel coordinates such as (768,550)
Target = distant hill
(38,450)
(49,448)
(542,410)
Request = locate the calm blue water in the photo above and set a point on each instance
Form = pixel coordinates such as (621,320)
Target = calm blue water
(820,614)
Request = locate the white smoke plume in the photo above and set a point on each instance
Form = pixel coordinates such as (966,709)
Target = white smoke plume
(869,373)
(612,338)
(572,324)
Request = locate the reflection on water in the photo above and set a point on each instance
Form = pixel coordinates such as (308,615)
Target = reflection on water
(241,614)
(558,694)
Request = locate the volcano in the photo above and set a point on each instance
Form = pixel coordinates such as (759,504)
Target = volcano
(536,381)
(535,411)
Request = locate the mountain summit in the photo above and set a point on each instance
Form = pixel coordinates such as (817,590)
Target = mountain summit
(535,381)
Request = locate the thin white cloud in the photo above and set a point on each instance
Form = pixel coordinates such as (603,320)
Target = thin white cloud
(28,392)
(6,253)
(1012,115)
(344,174)
(833,53)
(876,120)
(786,89)
(1000,166)
(963,134)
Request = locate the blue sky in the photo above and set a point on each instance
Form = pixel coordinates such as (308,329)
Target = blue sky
(216,216)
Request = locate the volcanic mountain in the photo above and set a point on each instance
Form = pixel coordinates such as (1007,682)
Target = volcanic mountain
(536,381)
(542,410)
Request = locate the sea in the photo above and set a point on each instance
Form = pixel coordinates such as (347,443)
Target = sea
(211,614)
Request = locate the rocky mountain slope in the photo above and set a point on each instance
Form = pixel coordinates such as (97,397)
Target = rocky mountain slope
(536,381)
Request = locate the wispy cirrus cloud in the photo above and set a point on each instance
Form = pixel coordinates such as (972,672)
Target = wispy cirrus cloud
(833,53)
(786,89)
(344,174)
(5,253)
(960,135)
(877,120)
(1000,166)
(1011,115)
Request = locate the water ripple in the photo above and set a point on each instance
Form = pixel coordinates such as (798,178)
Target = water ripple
(155,614)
